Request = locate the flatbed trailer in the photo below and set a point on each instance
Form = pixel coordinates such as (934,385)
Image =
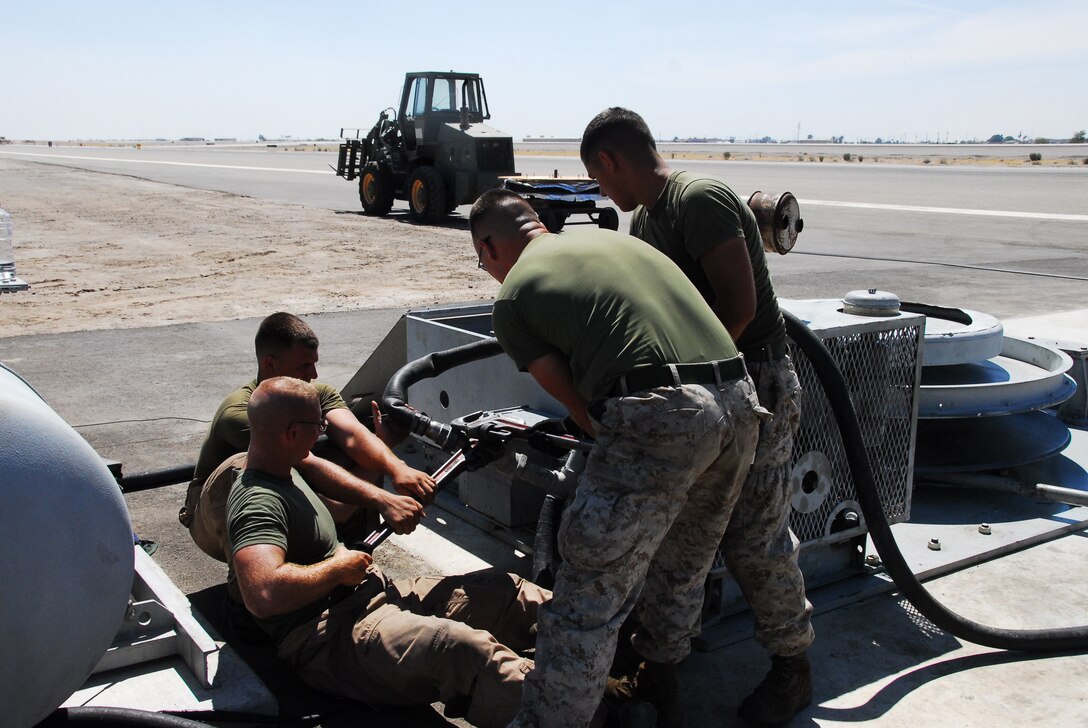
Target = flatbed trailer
(557,198)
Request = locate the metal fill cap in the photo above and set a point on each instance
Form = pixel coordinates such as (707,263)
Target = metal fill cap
(871,302)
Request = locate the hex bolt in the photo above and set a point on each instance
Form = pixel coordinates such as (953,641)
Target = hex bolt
(934,544)
(985,529)
(872,560)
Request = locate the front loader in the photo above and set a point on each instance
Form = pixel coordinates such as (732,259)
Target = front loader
(436,153)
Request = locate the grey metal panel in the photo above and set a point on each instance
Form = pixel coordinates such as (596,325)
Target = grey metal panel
(369,381)
(492,383)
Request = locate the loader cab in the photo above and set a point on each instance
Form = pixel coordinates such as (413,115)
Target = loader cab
(432,99)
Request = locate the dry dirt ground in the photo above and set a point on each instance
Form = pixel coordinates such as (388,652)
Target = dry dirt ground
(111,251)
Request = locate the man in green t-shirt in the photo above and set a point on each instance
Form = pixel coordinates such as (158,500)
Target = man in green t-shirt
(616,333)
(341,625)
(347,472)
(713,236)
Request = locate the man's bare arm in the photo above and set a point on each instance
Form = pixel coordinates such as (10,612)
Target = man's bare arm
(729,270)
(552,372)
(329,479)
(366,449)
(271,585)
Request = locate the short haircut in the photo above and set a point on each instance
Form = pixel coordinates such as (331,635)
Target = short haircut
(621,131)
(278,401)
(499,201)
(280,331)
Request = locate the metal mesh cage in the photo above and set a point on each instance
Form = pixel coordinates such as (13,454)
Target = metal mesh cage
(880,367)
(879,359)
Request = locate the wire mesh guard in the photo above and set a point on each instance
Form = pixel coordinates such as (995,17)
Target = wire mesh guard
(881,370)
(880,367)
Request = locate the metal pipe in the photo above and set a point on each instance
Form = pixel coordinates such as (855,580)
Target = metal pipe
(1055,493)
(156,478)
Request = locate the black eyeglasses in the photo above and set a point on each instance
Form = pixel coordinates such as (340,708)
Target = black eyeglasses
(321,425)
(480,253)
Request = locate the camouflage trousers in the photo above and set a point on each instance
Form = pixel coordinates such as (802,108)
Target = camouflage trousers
(645,520)
(760,550)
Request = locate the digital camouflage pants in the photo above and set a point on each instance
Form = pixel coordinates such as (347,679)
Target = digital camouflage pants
(760,550)
(646,518)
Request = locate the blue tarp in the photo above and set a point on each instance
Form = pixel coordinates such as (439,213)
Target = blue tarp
(558,190)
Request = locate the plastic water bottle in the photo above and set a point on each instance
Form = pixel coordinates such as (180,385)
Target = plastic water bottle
(7,252)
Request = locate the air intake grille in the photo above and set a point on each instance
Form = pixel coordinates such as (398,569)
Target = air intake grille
(880,368)
(879,360)
(495,155)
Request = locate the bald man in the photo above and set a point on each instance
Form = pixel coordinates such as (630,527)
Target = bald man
(614,330)
(335,618)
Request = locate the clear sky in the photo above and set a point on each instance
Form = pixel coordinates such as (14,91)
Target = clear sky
(860,69)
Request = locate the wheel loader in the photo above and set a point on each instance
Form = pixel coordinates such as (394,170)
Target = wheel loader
(436,152)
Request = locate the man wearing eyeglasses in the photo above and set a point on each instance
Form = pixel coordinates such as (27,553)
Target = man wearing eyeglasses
(336,619)
(708,231)
(345,472)
(615,332)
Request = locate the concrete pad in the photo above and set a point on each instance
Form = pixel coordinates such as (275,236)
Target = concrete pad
(877,661)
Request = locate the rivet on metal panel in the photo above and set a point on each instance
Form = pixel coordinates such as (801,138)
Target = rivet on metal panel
(985,529)
(934,544)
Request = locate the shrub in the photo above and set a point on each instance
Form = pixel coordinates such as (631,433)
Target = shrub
(1035,157)
(926,161)
(821,157)
(861,158)
(846,157)
(726,155)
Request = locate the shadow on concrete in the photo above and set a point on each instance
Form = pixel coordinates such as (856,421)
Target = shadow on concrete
(895,691)
(299,704)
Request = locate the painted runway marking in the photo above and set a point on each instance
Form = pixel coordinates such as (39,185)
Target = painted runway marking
(171,164)
(948,210)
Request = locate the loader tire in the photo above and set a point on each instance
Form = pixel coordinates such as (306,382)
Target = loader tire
(376,189)
(426,195)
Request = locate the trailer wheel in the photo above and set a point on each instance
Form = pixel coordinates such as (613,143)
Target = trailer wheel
(608,219)
(426,195)
(376,189)
(552,220)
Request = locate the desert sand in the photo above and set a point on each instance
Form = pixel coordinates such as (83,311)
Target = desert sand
(108,251)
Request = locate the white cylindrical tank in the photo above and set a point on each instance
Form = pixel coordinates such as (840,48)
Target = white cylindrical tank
(66,556)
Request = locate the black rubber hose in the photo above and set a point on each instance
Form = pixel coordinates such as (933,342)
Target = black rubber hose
(157,478)
(103,716)
(1068,639)
(394,399)
(545,547)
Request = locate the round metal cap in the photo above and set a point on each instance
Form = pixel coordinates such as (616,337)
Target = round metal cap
(779,218)
(871,302)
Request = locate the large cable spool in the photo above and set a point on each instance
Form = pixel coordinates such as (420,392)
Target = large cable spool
(779,218)
(66,556)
